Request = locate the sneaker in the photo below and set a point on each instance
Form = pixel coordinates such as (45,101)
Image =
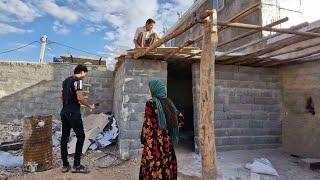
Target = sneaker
(65,169)
(80,169)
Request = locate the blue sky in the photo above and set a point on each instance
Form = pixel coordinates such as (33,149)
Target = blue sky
(103,27)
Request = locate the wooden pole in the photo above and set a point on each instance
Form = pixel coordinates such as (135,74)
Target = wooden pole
(253,32)
(242,15)
(274,63)
(193,55)
(265,58)
(172,35)
(270,48)
(261,40)
(207,70)
(251,26)
(187,43)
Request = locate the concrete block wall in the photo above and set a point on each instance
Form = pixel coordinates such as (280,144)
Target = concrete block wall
(35,89)
(301,130)
(247,107)
(131,93)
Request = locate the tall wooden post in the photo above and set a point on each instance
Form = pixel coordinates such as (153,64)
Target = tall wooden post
(207,73)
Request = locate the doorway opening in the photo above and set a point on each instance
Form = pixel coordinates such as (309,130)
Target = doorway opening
(180,91)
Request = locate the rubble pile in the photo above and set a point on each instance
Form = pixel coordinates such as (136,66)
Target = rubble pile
(101,131)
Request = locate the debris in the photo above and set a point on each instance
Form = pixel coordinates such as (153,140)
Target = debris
(9,161)
(108,136)
(40,124)
(16,135)
(262,166)
(90,136)
(14,145)
(100,129)
(310,163)
(55,142)
(31,167)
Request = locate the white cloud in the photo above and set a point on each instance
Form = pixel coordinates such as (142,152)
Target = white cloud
(110,36)
(17,11)
(6,28)
(60,12)
(60,28)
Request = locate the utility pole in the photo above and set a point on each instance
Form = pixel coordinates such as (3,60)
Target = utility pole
(43,42)
(207,71)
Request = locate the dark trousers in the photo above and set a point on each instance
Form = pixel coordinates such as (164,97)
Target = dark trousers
(74,121)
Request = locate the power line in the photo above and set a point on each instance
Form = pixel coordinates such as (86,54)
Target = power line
(87,52)
(15,49)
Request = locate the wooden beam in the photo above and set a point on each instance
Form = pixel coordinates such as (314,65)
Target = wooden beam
(172,35)
(265,58)
(260,28)
(242,14)
(187,43)
(274,63)
(261,40)
(253,32)
(271,47)
(207,86)
(193,55)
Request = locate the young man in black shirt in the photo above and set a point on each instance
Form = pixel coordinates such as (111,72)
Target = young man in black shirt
(72,97)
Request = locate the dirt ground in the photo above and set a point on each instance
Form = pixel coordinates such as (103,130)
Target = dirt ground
(230,167)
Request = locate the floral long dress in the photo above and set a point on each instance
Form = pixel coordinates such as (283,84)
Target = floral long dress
(158,157)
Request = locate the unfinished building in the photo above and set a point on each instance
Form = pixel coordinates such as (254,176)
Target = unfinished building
(265,87)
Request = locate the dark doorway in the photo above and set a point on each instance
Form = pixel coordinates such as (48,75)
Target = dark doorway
(180,91)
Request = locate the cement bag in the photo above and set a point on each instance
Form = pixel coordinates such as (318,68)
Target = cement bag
(262,166)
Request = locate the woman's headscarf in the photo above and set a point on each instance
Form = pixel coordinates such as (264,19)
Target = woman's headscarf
(158,92)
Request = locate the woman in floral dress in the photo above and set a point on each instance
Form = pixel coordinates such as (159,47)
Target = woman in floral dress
(159,133)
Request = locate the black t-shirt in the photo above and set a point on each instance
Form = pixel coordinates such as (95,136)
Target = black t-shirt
(69,88)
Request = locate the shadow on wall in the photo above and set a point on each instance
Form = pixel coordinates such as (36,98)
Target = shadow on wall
(41,93)
(29,101)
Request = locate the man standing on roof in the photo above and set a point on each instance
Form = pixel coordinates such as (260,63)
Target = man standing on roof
(145,36)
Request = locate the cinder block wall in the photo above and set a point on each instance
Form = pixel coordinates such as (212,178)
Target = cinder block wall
(131,93)
(247,107)
(33,89)
(301,129)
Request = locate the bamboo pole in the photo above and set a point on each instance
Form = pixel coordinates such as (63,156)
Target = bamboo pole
(207,85)
(242,14)
(261,40)
(172,35)
(251,26)
(253,32)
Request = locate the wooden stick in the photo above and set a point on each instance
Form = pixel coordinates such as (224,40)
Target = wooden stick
(253,32)
(260,60)
(272,47)
(207,85)
(261,40)
(242,14)
(193,55)
(172,35)
(251,26)
(187,43)
(274,63)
